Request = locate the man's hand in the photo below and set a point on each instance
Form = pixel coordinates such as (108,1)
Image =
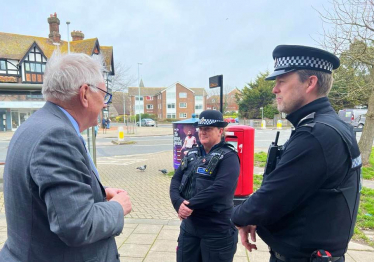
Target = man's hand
(124,199)
(111,192)
(184,211)
(244,232)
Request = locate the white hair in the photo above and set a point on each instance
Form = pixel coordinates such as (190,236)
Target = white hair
(66,73)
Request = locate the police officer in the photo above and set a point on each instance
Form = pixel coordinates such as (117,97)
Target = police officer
(202,191)
(306,207)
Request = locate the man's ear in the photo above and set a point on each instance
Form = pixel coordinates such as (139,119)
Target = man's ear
(312,85)
(83,95)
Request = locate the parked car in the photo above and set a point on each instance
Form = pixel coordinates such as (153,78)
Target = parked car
(229,120)
(360,121)
(350,116)
(147,122)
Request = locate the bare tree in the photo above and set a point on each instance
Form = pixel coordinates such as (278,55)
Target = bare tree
(119,84)
(351,34)
(214,94)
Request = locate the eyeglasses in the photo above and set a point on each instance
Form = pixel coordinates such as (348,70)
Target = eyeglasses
(108,96)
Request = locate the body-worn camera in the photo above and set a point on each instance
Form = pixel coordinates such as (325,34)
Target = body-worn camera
(274,155)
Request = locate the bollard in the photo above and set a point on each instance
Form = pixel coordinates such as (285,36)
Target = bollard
(279,124)
(263,124)
(121,134)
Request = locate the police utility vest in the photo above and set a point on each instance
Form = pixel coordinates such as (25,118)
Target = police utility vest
(199,172)
(349,188)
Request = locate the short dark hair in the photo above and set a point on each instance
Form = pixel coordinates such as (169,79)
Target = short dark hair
(324,80)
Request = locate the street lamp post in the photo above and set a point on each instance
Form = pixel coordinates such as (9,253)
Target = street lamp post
(68,23)
(124,106)
(140,112)
(262,111)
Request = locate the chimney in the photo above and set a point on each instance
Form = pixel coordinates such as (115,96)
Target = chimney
(54,28)
(77,35)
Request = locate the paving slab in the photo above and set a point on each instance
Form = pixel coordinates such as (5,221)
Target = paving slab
(133,250)
(163,245)
(359,247)
(240,259)
(361,256)
(258,256)
(153,256)
(169,234)
(141,239)
(148,229)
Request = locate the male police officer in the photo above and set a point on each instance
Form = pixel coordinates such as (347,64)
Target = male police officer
(306,207)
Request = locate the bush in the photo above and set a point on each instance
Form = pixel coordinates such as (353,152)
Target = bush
(151,116)
(171,120)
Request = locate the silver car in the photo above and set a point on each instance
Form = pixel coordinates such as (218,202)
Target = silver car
(147,122)
(360,121)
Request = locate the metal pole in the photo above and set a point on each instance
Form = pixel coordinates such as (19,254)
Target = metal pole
(124,106)
(221,96)
(68,23)
(140,112)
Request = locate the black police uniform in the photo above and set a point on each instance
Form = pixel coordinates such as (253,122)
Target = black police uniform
(208,234)
(310,200)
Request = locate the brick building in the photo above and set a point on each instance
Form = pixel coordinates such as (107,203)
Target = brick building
(229,102)
(22,64)
(176,101)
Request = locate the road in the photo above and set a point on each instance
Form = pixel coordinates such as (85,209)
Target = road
(154,144)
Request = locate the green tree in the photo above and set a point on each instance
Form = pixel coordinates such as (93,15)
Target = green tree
(351,34)
(255,95)
(351,85)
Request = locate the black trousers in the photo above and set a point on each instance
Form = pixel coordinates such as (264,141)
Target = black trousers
(274,259)
(202,245)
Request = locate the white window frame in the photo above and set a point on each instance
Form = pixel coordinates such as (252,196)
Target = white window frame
(171,105)
(150,106)
(182,115)
(180,105)
(182,95)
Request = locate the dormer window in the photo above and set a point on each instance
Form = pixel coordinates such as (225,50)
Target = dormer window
(34,66)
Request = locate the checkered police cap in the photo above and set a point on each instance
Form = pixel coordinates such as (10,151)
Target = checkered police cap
(289,58)
(211,118)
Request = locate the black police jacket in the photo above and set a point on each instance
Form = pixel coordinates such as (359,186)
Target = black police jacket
(212,193)
(310,200)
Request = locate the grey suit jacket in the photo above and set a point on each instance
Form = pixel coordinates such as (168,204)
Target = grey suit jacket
(55,206)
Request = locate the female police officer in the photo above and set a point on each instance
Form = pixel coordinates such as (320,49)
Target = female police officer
(202,191)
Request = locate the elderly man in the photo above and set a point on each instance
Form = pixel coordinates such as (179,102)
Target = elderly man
(56,207)
(306,207)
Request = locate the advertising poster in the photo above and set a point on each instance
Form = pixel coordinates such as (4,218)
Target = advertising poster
(185,137)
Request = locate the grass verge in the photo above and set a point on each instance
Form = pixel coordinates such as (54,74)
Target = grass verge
(368,171)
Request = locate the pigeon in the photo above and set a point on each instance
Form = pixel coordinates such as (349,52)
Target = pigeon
(142,168)
(164,171)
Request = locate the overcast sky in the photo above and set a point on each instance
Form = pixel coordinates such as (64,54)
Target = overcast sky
(179,40)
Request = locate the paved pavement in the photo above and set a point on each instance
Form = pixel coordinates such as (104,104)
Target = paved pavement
(151,229)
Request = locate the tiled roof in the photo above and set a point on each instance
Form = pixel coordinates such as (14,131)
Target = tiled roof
(14,46)
(107,52)
(145,91)
(199,91)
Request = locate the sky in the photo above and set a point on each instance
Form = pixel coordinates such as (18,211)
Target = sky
(185,41)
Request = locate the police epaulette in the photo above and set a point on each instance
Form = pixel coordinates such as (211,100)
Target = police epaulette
(230,146)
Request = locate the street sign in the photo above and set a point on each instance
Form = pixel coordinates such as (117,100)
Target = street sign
(216,81)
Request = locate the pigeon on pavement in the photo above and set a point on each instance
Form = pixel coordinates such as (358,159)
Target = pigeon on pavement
(164,171)
(142,168)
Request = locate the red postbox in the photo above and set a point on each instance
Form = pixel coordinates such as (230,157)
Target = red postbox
(243,138)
